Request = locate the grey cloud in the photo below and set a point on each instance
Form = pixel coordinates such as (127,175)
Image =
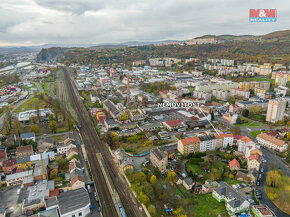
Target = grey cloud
(91,21)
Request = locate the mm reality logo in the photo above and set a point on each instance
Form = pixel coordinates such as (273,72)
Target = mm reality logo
(263,15)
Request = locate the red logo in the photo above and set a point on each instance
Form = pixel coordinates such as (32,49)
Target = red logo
(263,13)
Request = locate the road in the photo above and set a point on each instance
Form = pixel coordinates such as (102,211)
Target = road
(93,145)
(271,158)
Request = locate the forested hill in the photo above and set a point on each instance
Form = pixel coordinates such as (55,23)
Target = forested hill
(273,47)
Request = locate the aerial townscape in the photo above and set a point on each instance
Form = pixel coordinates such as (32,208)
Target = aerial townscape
(188,127)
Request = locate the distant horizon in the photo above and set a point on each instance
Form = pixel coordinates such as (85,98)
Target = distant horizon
(139,41)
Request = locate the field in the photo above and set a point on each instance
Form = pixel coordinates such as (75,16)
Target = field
(30,104)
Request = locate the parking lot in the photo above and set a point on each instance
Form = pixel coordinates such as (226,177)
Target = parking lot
(8,200)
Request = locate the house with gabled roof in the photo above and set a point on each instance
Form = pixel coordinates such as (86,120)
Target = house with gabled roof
(234,164)
(235,202)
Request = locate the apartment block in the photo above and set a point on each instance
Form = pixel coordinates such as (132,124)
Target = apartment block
(188,145)
(276,110)
(159,159)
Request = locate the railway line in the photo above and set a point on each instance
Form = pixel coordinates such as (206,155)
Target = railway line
(93,145)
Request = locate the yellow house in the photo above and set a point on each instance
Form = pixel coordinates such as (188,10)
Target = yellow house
(23,163)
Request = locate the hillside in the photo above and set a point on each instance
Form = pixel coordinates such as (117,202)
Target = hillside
(243,48)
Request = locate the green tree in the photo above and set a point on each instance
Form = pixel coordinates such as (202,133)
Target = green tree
(53,174)
(232,100)
(17,126)
(62,163)
(34,128)
(52,126)
(245,112)
(143,198)
(152,210)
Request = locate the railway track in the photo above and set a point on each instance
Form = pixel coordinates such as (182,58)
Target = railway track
(93,145)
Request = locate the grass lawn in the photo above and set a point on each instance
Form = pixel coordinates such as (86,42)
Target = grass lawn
(208,206)
(259,79)
(256,133)
(30,104)
(44,86)
(249,124)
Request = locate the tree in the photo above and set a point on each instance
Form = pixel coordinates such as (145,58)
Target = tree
(231,176)
(171,175)
(152,210)
(62,163)
(33,120)
(17,126)
(253,109)
(239,121)
(124,116)
(143,198)
(53,174)
(153,179)
(259,109)
(37,112)
(245,113)
(34,128)
(232,100)
(236,131)
(51,117)
(52,126)
(273,178)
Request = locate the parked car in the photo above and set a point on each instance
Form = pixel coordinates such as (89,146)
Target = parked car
(258,183)
(96,198)
(262,169)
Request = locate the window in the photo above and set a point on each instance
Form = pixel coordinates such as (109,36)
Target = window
(80,214)
(73,216)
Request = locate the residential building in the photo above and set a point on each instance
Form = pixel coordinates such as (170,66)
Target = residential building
(281,91)
(71,152)
(45,145)
(235,109)
(77,182)
(235,202)
(271,142)
(240,93)
(17,178)
(252,175)
(276,110)
(111,124)
(188,183)
(223,95)
(23,151)
(3,157)
(209,185)
(207,143)
(243,142)
(231,118)
(62,148)
(234,164)
(219,138)
(9,165)
(24,117)
(254,162)
(159,159)
(199,95)
(188,145)
(228,140)
(262,211)
(28,136)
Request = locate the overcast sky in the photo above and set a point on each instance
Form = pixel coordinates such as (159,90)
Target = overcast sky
(33,22)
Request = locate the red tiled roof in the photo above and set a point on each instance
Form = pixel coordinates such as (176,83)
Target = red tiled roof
(234,162)
(24,148)
(271,139)
(173,123)
(191,140)
(77,178)
(246,139)
(255,157)
(8,163)
(54,193)
(3,155)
